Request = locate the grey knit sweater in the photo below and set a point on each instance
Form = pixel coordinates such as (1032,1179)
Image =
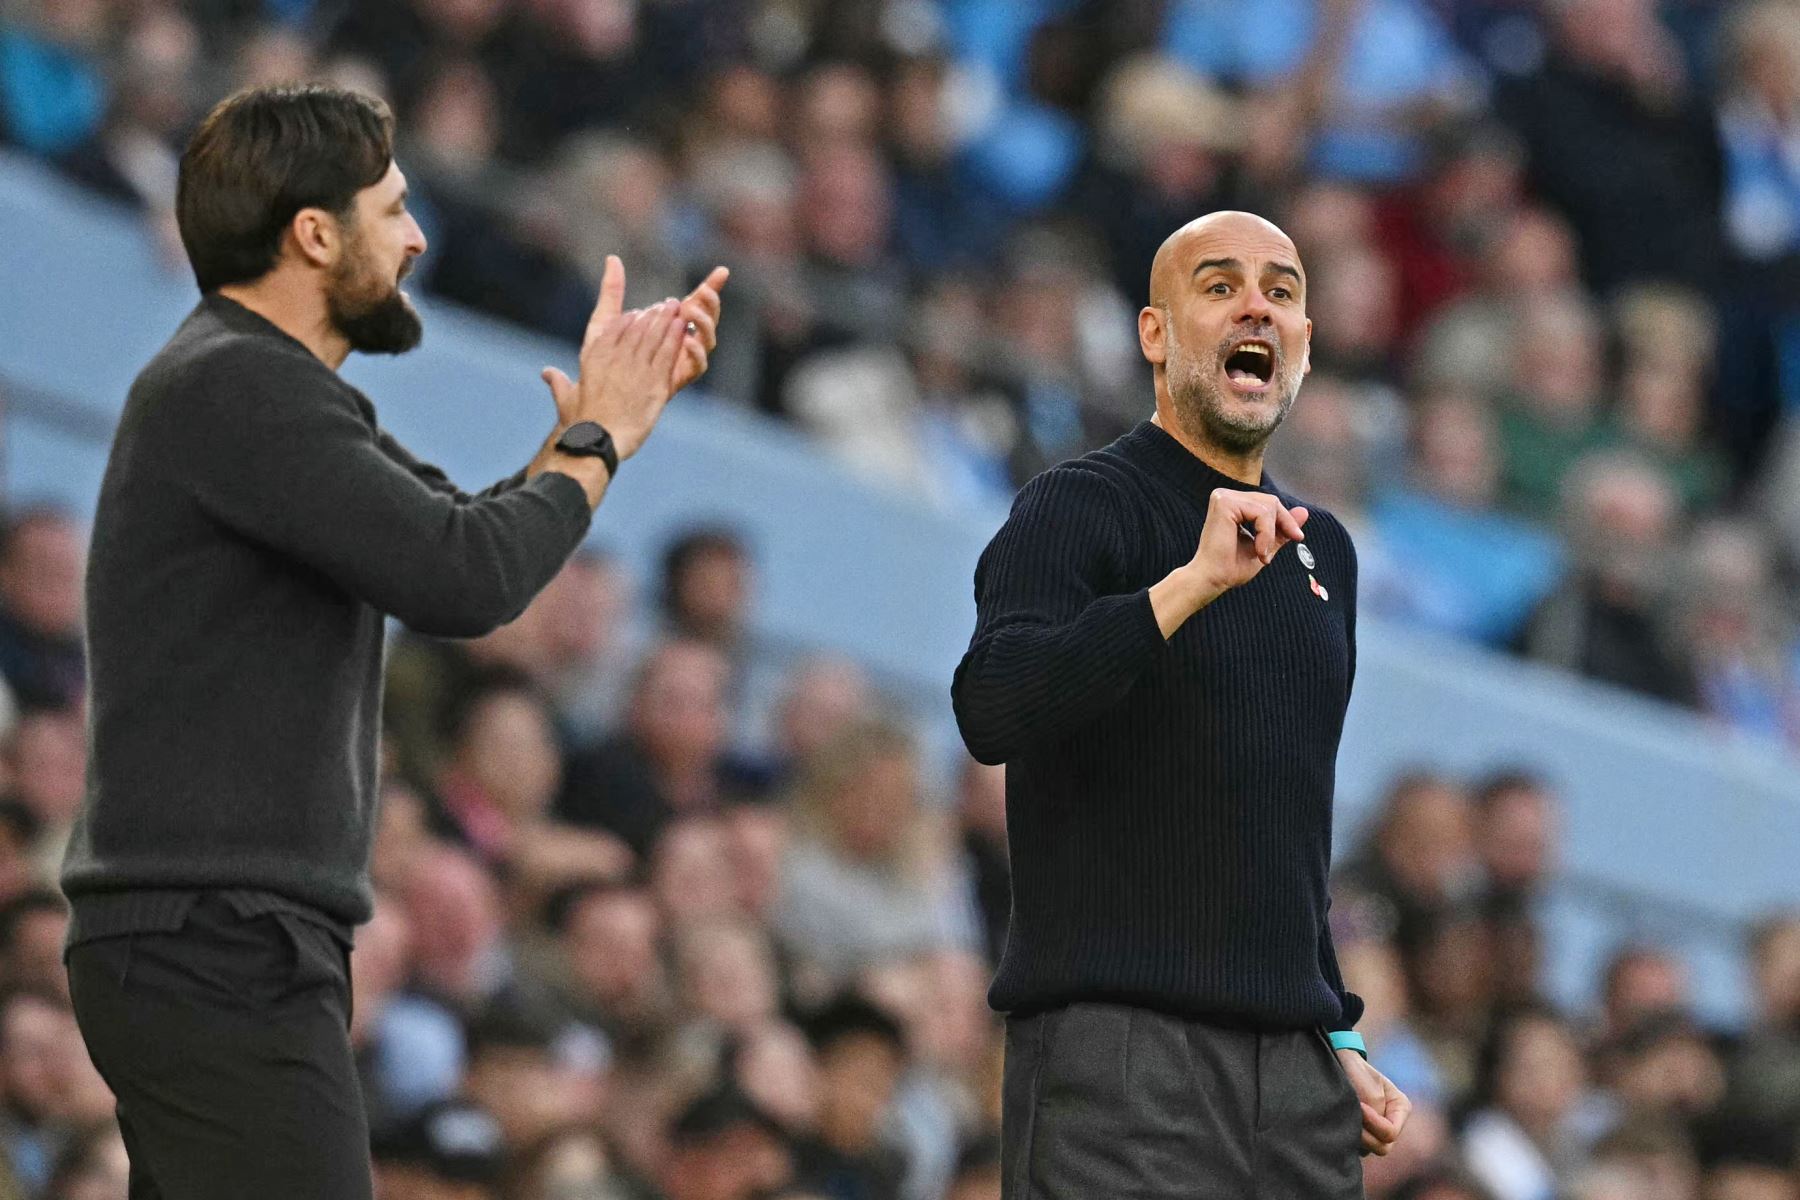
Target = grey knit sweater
(254,528)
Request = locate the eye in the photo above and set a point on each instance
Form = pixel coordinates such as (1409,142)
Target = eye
(1219,289)
(1281,293)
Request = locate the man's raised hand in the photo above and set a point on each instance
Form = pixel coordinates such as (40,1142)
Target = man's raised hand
(628,364)
(1227,557)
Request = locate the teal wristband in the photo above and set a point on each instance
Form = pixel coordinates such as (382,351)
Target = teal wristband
(1348,1039)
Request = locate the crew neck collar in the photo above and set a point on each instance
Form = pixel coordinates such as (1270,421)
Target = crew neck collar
(243,319)
(1183,468)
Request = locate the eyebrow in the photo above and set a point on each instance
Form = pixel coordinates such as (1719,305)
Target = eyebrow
(1232,264)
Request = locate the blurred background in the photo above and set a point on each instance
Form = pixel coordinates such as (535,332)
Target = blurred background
(686,888)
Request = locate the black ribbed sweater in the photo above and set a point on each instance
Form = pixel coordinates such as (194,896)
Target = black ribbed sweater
(1168,804)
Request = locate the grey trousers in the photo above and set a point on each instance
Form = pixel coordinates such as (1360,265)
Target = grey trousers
(1108,1102)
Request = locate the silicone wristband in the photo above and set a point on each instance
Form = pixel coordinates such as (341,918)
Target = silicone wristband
(1348,1039)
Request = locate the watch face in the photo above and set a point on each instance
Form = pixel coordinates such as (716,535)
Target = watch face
(584,435)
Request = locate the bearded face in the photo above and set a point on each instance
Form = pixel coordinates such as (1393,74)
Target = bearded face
(364,300)
(1237,391)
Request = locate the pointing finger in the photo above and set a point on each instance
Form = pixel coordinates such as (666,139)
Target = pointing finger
(612,289)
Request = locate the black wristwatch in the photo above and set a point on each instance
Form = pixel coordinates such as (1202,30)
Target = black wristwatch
(590,439)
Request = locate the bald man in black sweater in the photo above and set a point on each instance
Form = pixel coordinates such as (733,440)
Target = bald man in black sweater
(1169,717)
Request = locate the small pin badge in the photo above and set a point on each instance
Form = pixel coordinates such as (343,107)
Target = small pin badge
(1318,588)
(1306,555)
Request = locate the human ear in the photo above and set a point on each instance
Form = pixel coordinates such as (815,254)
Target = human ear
(316,236)
(1306,352)
(1153,334)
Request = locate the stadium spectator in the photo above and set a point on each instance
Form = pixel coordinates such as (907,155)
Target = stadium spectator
(449,1151)
(1529,258)
(1602,619)
(41,654)
(668,757)
(981,805)
(1742,647)
(1621,143)
(535,1073)
(1471,569)
(495,792)
(862,1054)
(1763,1072)
(1757,114)
(869,872)
(1420,854)
(707,583)
(610,970)
(91,1166)
(1552,413)
(724,1148)
(33,925)
(1637,983)
(47,760)
(409,1048)
(1516,818)
(50,1089)
(460,955)
(1522,1140)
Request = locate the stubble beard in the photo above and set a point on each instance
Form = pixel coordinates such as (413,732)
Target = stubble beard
(372,314)
(1201,405)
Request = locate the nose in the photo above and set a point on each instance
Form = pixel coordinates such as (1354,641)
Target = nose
(415,240)
(1255,307)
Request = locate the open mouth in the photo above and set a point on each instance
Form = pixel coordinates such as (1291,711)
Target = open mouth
(1251,364)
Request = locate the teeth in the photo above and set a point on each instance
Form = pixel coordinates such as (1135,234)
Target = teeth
(1252,349)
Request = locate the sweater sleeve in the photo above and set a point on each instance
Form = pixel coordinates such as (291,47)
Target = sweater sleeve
(1052,647)
(1328,963)
(434,478)
(288,459)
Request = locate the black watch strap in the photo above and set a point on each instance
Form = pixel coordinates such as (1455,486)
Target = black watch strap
(589,439)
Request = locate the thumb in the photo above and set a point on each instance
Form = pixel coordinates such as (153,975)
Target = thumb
(560,385)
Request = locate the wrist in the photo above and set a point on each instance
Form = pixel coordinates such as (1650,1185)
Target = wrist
(1180,594)
(1348,1040)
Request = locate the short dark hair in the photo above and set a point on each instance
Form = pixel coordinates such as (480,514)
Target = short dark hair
(261,156)
(850,1015)
(690,547)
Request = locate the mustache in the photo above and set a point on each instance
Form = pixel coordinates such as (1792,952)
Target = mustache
(1256,333)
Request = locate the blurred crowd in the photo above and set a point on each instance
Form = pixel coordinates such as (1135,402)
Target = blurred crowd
(661,916)
(664,917)
(1554,249)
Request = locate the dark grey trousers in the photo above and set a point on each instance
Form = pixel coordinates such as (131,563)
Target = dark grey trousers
(226,1045)
(1107,1102)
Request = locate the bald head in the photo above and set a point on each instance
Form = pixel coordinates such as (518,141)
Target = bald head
(1182,251)
(1226,332)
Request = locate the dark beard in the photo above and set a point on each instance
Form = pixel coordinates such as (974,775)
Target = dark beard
(374,322)
(388,325)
